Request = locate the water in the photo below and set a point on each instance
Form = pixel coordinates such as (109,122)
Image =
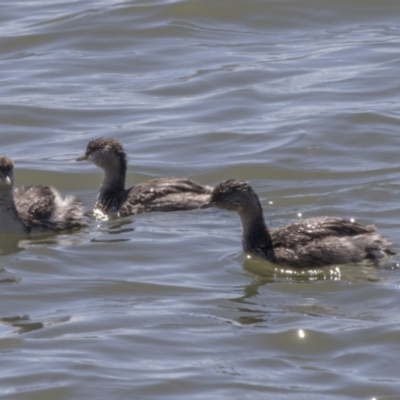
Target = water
(298,97)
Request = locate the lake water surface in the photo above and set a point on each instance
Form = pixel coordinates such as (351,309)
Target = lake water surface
(298,97)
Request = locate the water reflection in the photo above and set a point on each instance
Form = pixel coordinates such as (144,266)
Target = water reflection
(113,227)
(24,324)
(9,244)
(116,226)
(268,272)
(8,278)
(60,240)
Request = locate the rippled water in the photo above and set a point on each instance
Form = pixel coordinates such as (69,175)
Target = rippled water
(301,98)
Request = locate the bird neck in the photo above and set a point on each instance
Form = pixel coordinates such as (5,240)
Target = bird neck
(114,179)
(256,238)
(112,191)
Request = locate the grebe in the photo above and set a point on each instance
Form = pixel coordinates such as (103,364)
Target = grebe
(312,242)
(162,194)
(33,209)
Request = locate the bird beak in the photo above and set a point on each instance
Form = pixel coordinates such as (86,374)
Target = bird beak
(83,157)
(209,204)
(7,180)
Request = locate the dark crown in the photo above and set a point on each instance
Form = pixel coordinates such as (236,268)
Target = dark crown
(230,187)
(6,164)
(107,145)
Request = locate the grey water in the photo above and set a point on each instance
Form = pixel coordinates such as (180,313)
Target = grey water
(298,97)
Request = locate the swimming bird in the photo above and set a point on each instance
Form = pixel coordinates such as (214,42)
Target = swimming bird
(162,194)
(34,209)
(312,242)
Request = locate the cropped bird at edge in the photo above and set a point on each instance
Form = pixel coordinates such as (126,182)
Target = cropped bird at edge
(308,243)
(162,194)
(35,209)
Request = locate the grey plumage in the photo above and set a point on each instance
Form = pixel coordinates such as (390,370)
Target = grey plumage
(162,194)
(32,209)
(311,242)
